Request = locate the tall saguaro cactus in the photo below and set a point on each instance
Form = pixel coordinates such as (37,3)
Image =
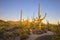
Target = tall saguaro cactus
(39,17)
(21,20)
(21,15)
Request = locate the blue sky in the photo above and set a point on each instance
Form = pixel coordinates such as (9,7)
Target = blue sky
(10,9)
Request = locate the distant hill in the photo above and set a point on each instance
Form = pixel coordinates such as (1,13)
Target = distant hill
(3,23)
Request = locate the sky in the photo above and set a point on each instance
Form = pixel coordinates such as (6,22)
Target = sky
(10,9)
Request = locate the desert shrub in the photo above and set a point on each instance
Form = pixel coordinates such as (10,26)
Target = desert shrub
(56,37)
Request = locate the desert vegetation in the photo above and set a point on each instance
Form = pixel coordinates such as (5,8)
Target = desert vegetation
(22,31)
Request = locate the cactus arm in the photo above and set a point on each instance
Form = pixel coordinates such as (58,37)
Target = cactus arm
(44,17)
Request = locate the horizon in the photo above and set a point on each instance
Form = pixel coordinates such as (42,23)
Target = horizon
(10,10)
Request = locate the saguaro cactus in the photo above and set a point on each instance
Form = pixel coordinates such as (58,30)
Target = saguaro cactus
(33,19)
(21,19)
(21,15)
(39,17)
